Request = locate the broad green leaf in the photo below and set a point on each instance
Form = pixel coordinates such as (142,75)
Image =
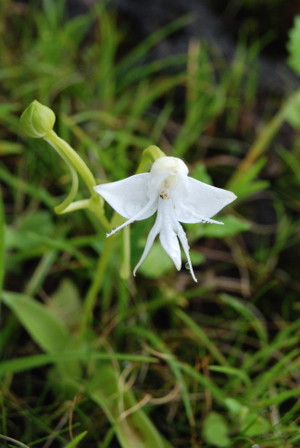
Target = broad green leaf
(22,235)
(66,305)
(232,226)
(235,408)
(157,263)
(43,326)
(215,430)
(254,424)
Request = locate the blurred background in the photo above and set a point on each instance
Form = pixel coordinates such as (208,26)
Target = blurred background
(216,84)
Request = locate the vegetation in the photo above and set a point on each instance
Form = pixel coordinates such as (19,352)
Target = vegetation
(93,357)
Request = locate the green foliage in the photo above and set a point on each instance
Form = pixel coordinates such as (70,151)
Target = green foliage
(215,430)
(292,110)
(293,46)
(46,330)
(2,242)
(157,264)
(76,440)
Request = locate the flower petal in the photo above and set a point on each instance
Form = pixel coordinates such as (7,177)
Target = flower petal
(129,196)
(169,242)
(186,248)
(150,240)
(201,203)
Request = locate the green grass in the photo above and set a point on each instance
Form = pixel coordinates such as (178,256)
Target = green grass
(93,357)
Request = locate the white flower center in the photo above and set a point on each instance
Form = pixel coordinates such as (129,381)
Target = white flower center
(172,166)
(166,173)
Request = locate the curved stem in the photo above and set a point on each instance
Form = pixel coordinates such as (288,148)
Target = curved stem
(61,208)
(149,156)
(63,148)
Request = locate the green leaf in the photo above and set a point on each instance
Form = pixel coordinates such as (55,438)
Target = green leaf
(22,235)
(157,263)
(232,371)
(32,362)
(247,184)
(254,424)
(200,173)
(43,326)
(215,430)
(293,46)
(235,407)
(248,312)
(7,147)
(292,109)
(76,440)
(66,305)
(2,241)
(232,226)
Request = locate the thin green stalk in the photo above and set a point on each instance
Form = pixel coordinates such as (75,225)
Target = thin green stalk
(125,266)
(2,242)
(149,156)
(40,273)
(91,297)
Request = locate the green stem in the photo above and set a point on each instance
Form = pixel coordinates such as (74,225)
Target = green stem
(91,297)
(73,159)
(77,205)
(96,207)
(77,165)
(125,266)
(61,208)
(149,156)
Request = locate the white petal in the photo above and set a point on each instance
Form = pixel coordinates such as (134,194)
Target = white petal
(190,216)
(150,240)
(202,201)
(169,242)
(185,245)
(137,217)
(128,196)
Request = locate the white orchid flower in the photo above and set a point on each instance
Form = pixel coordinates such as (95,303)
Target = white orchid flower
(176,197)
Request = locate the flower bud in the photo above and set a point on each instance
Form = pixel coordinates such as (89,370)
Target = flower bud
(37,120)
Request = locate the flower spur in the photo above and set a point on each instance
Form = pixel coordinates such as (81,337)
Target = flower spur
(168,190)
